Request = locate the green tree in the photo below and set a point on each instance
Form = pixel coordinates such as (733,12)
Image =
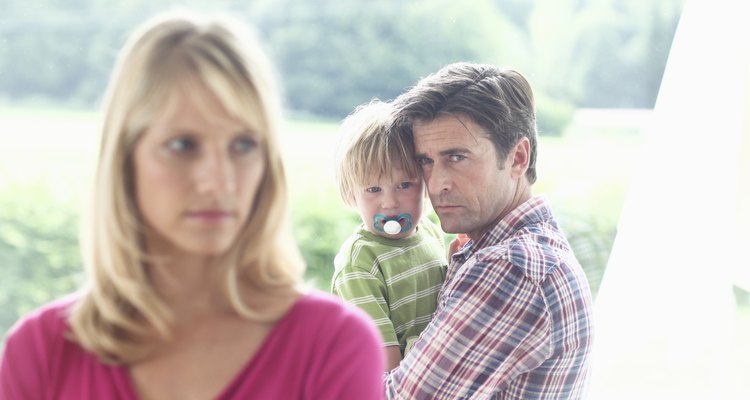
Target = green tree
(626,49)
(38,251)
(333,56)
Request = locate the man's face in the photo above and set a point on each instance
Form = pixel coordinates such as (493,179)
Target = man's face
(470,188)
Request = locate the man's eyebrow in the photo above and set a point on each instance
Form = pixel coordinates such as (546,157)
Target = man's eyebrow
(446,152)
(454,150)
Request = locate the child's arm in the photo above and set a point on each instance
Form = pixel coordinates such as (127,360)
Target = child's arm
(392,357)
(357,285)
(457,244)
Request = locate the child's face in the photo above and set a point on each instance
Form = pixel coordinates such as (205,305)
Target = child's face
(391,198)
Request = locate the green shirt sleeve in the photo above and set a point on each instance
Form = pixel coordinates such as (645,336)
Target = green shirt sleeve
(359,282)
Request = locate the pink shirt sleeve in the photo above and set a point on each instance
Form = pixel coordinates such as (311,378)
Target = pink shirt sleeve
(355,359)
(26,357)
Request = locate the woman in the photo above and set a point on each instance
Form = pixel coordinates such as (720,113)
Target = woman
(194,288)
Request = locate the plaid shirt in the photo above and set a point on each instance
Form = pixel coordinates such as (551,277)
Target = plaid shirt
(513,319)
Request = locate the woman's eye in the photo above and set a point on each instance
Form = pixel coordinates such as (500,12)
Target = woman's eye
(181,145)
(372,189)
(243,145)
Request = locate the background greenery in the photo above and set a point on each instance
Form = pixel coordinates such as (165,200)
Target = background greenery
(334,55)
(584,173)
(55,58)
(331,56)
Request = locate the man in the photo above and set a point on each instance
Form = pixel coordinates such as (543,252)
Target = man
(514,316)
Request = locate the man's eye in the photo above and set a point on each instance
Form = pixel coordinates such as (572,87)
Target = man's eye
(243,145)
(456,157)
(404,185)
(423,160)
(372,189)
(181,145)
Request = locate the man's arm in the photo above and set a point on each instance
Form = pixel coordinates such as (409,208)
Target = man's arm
(491,325)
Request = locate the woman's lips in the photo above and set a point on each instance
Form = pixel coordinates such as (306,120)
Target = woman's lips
(210,215)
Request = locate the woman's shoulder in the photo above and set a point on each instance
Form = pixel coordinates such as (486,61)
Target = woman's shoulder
(324,312)
(48,322)
(319,320)
(314,304)
(31,347)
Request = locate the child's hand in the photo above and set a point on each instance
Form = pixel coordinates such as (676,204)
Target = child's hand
(457,244)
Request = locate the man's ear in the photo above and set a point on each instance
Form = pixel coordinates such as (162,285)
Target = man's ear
(519,157)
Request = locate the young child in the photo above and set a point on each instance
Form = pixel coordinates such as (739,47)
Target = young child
(393,265)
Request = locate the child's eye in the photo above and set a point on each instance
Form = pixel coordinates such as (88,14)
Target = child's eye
(181,145)
(372,189)
(243,145)
(404,185)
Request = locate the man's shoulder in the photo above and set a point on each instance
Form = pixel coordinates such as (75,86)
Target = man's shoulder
(537,250)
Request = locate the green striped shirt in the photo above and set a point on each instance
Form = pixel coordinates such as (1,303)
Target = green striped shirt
(396,281)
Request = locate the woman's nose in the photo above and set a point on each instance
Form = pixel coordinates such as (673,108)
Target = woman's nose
(216,173)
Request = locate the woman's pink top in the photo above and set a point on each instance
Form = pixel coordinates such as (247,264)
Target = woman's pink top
(322,349)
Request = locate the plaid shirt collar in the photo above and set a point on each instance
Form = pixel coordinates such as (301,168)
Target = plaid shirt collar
(530,212)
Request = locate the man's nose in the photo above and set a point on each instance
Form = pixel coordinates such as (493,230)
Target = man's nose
(437,180)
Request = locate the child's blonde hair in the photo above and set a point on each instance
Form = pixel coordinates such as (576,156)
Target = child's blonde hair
(368,149)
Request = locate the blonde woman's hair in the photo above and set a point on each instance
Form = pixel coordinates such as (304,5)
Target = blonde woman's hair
(367,150)
(119,315)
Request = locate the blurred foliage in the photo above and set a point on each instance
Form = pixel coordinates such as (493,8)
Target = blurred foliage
(331,56)
(553,115)
(40,257)
(334,55)
(38,251)
(591,242)
(742,297)
(320,230)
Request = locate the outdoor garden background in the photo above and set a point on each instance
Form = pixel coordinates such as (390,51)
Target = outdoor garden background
(595,65)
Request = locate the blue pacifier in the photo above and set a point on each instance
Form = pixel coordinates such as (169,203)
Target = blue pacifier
(393,225)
